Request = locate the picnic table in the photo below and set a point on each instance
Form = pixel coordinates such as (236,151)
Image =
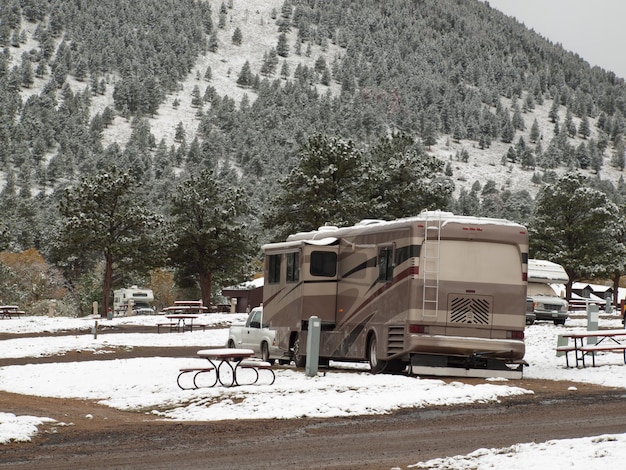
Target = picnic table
(226,363)
(180,322)
(10,311)
(601,340)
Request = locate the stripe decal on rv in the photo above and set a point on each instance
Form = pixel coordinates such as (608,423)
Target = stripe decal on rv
(386,286)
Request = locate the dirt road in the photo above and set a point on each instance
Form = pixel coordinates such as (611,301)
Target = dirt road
(88,435)
(96,437)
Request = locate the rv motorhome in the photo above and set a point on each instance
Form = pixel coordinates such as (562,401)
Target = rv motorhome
(439,293)
(137,300)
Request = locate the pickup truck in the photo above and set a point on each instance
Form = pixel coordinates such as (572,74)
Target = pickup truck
(256,336)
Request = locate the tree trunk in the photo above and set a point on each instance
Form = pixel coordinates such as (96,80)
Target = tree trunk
(106,288)
(616,278)
(205,278)
(568,290)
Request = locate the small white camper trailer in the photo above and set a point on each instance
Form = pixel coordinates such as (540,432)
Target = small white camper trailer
(133,300)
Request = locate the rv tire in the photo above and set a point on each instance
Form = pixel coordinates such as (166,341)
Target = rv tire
(376,365)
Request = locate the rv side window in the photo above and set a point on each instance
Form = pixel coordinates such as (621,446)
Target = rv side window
(323,263)
(273,268)
(293,267)
(406,252)
(385,264)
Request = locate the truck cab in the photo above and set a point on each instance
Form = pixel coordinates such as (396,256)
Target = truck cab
(255,335)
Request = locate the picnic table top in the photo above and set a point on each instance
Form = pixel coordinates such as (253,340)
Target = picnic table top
(186,308)
(220,353)
(588,333)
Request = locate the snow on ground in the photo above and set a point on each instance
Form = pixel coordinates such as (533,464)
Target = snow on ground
(148,385)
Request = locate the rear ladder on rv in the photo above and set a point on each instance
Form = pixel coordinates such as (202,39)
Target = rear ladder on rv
(432,257)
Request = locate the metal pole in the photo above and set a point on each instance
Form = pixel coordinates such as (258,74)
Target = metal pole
(313,346)
(592,321)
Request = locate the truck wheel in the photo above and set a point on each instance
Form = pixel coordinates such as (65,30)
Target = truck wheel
(298,357)
(231,344)
(376,365)
(265,353)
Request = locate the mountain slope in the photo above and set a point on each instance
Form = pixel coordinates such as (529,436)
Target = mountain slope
(395,65)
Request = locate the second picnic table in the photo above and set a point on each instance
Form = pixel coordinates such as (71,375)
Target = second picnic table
(10,311)
(605,340)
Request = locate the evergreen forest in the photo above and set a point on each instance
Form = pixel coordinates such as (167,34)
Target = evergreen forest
(162,142)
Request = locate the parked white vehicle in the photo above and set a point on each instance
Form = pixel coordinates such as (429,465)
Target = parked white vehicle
(255,335)
(546,304)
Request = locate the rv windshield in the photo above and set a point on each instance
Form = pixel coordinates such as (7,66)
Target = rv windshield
(536,288)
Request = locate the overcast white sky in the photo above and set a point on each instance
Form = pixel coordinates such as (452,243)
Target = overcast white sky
(594,29)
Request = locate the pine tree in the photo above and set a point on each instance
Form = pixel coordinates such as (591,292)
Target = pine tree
(196,99)
(582,156)
(326,187)
(569,124)
(213,42)
(554,111)
(534,132)
(405,179)
(237,37)
(617,159)
(213,244)
(282,48)
(511,155)
(583,129)
(527,159)
(429,135)
(575,226)
(458,132)
(245,75)
(518,121)
(508,131)
(102,216)
(467,203)
(27,72)
(595,157)
(284,70)
(179,134)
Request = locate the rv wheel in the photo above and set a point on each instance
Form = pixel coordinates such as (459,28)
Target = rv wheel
(376,365)
(298,357)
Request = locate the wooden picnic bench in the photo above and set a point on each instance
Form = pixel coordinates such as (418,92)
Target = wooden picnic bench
(195,371)
(10,311)
(170,325)
(257,365)
(605,341)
